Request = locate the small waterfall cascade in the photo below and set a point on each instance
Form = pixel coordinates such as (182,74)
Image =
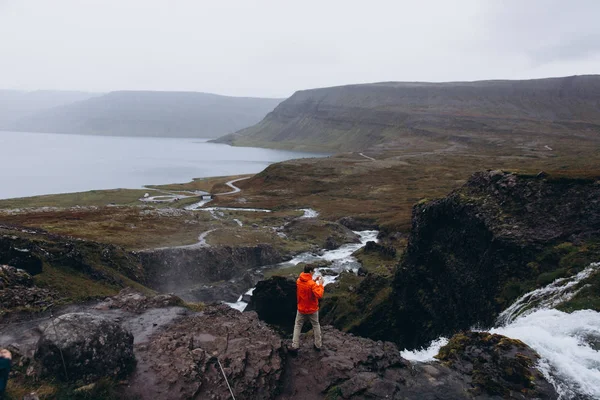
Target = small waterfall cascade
(568,343)
(557,292)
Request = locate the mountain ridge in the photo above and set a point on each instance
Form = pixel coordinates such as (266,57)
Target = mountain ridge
(149,113)
(356,117)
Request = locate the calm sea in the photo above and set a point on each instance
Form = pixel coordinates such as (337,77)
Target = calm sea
(40,163)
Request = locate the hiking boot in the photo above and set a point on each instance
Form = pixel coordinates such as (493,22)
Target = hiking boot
(293,351)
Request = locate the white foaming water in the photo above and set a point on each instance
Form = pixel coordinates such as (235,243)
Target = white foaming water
(309,213)
(341,258)
(557,292)
(240,304)
(569,344)
(425,354)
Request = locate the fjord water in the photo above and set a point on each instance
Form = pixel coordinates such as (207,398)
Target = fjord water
(41,163)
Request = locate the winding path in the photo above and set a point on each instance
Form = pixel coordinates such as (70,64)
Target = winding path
(201,243)
(231,185)
(367,157)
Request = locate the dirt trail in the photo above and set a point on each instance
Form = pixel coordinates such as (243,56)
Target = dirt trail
(232,186)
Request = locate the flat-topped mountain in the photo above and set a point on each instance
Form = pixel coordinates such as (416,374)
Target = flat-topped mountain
(356,117)
(147,113)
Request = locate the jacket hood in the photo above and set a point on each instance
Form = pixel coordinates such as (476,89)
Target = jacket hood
(305,277)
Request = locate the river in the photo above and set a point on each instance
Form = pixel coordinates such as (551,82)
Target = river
(45,163)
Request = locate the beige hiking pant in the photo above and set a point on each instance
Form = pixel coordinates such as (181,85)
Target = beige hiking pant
(300,320)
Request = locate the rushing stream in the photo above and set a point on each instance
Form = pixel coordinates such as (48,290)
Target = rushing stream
(341,260)
(568,343)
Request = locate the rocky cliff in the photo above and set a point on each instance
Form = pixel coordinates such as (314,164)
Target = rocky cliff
(355,117)
(174,353)
(177,269)
(471,254)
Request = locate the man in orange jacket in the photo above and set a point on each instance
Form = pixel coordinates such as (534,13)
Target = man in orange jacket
(308,293)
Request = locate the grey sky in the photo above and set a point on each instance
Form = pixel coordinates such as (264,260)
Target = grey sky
(275,47)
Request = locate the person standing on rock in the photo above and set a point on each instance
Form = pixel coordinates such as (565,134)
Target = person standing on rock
(5,364)
(308,293)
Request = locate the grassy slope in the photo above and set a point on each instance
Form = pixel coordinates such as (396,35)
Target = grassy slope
(386,189)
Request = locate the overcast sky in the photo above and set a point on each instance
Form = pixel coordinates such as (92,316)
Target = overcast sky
(271,48)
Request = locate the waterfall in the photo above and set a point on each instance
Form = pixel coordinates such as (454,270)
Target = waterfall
(557,292)
(568,343)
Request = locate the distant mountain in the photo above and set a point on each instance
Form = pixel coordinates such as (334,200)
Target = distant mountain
(356,117)
(15,104)
(145,113)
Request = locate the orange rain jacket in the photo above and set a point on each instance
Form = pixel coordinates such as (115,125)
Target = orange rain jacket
(308,293)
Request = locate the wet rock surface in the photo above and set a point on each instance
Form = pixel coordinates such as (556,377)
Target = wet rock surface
(496,365)
(351,367)
(178,353)
(183,361)
(91,346)
(131,300)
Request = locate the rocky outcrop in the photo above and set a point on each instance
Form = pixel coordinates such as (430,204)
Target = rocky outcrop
(357,224)
(274,300)
(133,301)
(351,367)
(496,365)
(182,354)
(18,291)
(472,253)
(179,269)
(81,346)
(185,360)
(228,291)
(325,234)
(29,249)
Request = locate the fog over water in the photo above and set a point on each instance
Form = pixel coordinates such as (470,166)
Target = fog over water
(37,163)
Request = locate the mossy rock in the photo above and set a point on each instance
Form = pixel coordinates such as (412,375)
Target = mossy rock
(498,365)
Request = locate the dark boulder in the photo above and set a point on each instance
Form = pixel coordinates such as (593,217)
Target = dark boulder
(358,224)
(274,300)
(496,365)
(92,347)
(385,252)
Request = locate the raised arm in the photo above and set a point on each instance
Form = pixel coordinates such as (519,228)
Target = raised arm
(318,290)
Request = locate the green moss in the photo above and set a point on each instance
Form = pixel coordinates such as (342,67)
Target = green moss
(334,393)
(73,285)
(588,298)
